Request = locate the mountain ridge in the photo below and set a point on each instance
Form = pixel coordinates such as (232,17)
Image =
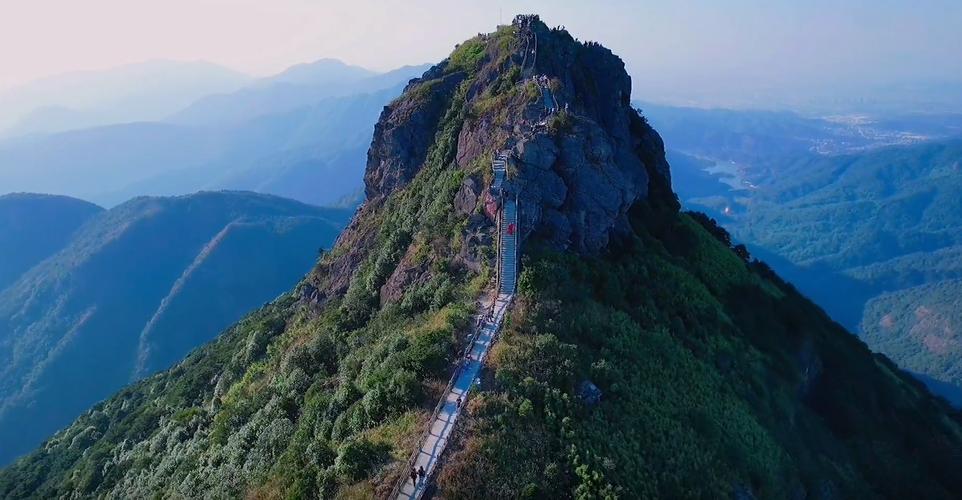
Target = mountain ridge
(127,290)
(52,222)
(134,92)
(289,90)
(277,152)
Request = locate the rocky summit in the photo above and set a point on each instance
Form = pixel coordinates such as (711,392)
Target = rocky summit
(521,308)
(578,170)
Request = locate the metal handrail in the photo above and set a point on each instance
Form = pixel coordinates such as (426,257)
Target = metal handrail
(497,285)
(482,359)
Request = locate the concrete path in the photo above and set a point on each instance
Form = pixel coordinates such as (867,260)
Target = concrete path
(443,423)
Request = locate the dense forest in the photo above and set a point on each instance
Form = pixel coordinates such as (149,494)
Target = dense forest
(133,290)
(867,230)
(717,377)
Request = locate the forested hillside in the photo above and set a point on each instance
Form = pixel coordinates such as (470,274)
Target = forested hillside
(136,289)
(34,226)
(870,234)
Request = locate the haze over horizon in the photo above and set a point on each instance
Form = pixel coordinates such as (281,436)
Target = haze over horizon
(740,53)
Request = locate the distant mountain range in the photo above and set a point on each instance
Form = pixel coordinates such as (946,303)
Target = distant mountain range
(298,87)
(137,92)
(308,126)
(863,215)
(132,290)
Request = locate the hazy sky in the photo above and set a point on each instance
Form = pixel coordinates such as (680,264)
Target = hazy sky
(670,46)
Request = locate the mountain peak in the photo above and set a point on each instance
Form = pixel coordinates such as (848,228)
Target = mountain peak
(560,108)
(319,72)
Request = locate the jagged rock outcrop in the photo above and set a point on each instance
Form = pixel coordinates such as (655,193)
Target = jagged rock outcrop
(575,171)
(404,132)
(578,178)
(581,168)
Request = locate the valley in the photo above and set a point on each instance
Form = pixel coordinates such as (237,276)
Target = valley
(865,228)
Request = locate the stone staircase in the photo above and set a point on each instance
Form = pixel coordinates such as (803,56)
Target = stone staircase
(492,310)
(500,168)
(509,247)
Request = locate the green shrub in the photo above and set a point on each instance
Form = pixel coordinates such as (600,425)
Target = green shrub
(468,56)
(357,457)
(560,122)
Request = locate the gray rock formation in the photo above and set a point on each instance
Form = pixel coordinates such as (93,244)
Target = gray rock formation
(405,131)
(576,172)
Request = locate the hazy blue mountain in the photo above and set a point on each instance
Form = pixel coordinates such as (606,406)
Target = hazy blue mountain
(51,119)
(314,152)
(85,163)
(137,288)
(318,72)
(299,86)
(136,92)
(35,226)
(734,135)
(761,138)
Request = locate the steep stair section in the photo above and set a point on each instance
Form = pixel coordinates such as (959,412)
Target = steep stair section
(493,308)
(547,96)
(509,247)
(500,168)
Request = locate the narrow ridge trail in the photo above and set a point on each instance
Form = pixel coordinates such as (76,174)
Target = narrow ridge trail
(493,308)
(488,322)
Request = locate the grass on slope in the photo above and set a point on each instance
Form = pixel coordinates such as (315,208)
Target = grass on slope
(291,402)
(717,378)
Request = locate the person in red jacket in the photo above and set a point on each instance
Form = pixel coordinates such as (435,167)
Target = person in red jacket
(511,229)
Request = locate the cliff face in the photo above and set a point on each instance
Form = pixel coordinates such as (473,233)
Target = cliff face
(579,168)
(406,130)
